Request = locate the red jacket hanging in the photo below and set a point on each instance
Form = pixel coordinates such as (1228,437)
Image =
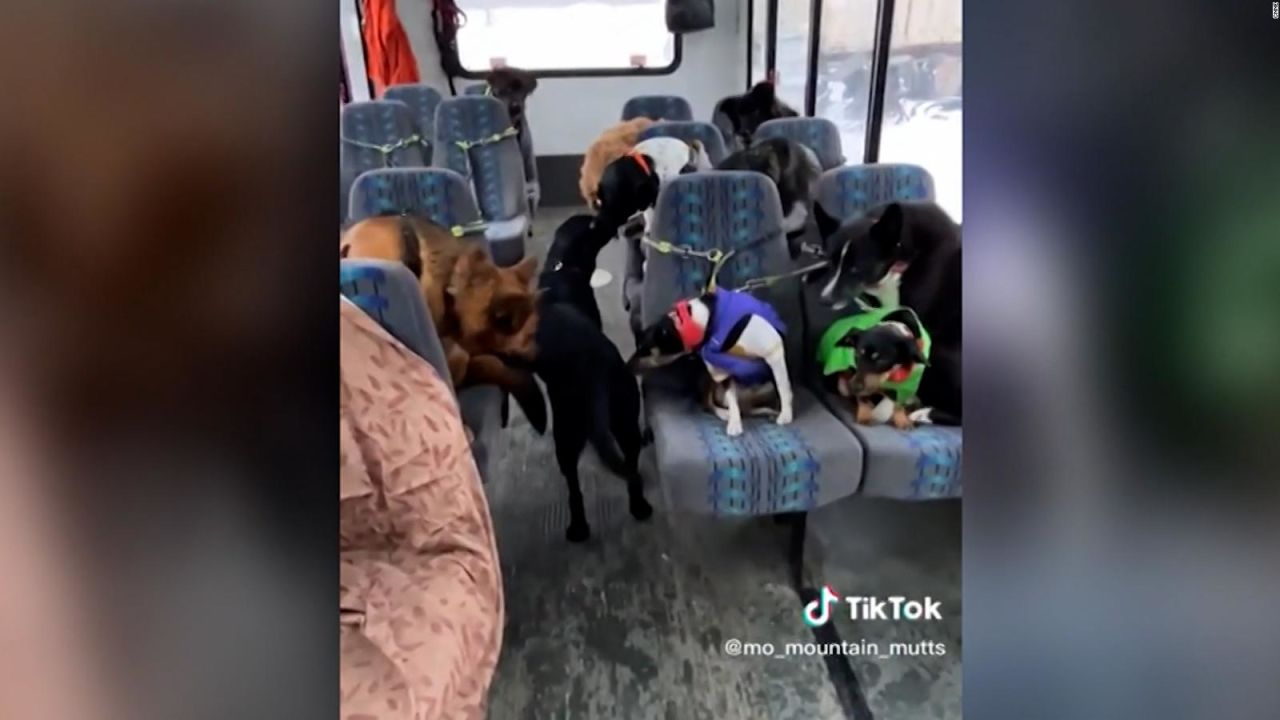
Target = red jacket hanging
(389,57)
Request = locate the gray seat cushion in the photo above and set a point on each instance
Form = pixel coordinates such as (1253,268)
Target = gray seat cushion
(770,468)
(919,464)
(532,187)
(687,130)
(818,134)
(506,239)
(657,107)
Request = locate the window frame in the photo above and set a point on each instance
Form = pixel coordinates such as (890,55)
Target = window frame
(677,56)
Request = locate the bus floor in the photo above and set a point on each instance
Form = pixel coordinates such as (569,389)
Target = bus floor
(634,623)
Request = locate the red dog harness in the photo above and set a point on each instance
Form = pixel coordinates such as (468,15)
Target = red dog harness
(639,158)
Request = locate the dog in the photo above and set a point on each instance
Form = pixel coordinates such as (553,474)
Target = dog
(612,144)
(901,254)
(483,313)
(513,87)
(793,168)
(739,116)
(630,184)
(741,342)
(879,360)
(593,395)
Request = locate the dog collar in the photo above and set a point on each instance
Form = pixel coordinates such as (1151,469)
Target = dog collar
(688,330)
(639,158)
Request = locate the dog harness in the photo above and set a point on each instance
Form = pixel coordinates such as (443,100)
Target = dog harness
(834,358)
(731,307)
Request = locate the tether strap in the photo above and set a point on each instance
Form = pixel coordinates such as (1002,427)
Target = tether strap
(466,145)
(718,258)
(389,148)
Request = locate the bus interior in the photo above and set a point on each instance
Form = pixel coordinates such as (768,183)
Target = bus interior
(638,621)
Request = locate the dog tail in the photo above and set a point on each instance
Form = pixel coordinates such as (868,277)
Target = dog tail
(934,416)
(602,436)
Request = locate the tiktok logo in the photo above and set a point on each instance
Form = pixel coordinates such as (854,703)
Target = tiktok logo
(818,612)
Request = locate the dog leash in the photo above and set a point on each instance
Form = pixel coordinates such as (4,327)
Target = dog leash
(389,148)
(718,258)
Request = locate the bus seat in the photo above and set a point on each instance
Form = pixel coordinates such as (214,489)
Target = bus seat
(687,130)
(439,194)
(474,138)
(920,464)
(770,468)
(378,134)
(422,100)
(818,134)
(532,186)
(657,107)
(390,294)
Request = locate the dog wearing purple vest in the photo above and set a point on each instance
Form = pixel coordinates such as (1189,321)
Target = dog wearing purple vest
(740,339)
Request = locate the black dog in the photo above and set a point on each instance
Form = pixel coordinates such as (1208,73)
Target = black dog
(903,254)
(738,116)
(791,166)
(593,396)
(513,87)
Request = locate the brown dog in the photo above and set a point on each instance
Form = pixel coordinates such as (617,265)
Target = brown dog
(482,312)
(612,144)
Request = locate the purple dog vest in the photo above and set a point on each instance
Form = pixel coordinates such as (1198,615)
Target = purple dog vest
(731,307)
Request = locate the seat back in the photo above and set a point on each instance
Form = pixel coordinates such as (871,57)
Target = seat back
(441,195)
(818,134)
(657,107)
(390,294)
(687,130)
(525,137)
(847,192)
(375,135)
(422,101)
(474,138)
(736,210)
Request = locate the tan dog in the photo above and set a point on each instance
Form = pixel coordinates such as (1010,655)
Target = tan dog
(481,311)
(612,144)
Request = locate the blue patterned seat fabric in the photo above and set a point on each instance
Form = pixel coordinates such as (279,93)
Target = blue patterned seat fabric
(770,468)
(382,123)
(921,464)
(494,168)
(687,130)
(532,186)
(818,134)
(390,294)
(440,195)
(422,101)
(657,107)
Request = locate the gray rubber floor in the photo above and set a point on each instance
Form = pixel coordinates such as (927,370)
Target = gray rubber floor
(633,623)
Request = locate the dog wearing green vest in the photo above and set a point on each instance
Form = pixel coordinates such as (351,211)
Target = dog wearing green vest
(878,359)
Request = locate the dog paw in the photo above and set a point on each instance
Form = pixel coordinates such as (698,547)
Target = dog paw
(733,429)
(577,533)
(784,417)
(641,509)
(902,422)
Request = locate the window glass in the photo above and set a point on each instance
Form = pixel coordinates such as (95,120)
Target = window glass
(793,51)
(759,40)
(847,36)
(564,35)
(922,110)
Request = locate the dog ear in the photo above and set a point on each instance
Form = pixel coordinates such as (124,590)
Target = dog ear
(827,225)
(525,270)
(917,354)
(762,94)
(887,231)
